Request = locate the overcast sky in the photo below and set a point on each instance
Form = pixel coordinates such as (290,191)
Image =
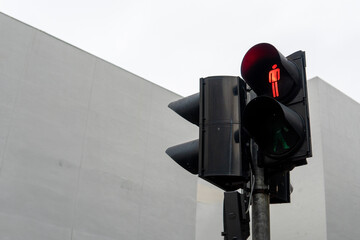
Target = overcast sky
(174,43)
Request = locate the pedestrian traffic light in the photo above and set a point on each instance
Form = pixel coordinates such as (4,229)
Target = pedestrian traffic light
(220,156)
(278,119)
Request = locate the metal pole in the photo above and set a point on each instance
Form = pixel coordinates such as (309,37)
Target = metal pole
(260,216)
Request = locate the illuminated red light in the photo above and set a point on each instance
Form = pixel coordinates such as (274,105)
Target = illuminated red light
(261,67)
(274,77)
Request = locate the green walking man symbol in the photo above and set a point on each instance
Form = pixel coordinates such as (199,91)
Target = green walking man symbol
(279,140)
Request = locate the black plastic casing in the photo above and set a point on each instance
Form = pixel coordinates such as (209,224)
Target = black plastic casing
(223,146)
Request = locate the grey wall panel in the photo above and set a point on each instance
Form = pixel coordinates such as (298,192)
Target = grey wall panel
(340,133)
(209,211)
(17,227)
(83,147)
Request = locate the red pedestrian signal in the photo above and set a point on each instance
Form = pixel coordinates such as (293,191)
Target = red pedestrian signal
(278,118)
(274,77)
(261,69)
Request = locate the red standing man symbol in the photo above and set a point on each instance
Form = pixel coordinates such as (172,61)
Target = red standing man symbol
(274,77)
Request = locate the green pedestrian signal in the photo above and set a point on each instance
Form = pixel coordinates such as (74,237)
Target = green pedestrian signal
(279,140)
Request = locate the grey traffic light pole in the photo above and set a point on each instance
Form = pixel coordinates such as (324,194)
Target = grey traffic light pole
(260,215)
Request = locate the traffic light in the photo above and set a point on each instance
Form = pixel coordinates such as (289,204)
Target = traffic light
(236,217)
(220,156)
(280,187)
(223,145)
(278,119)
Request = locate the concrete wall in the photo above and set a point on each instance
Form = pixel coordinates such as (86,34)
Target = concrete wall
(209,211)
(82,147)
(340,117)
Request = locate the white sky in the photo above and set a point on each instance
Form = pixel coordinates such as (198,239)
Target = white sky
(174,43)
